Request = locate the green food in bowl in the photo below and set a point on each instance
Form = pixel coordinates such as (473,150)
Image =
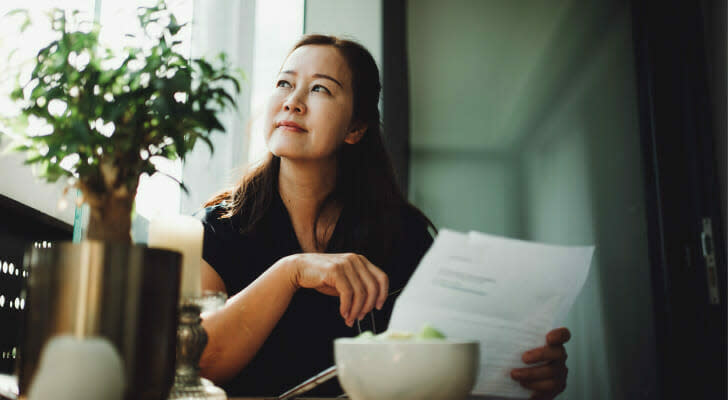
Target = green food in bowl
(366,335)
(426,333)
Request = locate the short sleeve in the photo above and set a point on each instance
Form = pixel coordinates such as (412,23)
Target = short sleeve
(216,232)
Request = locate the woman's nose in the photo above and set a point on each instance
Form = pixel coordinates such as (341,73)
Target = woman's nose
(294,104)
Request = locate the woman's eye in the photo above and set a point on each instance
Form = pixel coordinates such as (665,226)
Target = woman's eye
(283,83)
(319,88)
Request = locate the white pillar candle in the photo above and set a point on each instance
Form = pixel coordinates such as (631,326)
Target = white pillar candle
(183,234)
(73,368)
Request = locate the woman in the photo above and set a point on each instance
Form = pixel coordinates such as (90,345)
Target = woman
(311,243)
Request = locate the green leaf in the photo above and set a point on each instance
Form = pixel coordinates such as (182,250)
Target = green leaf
(17,11)
(222,93)
(232,80)
(173,26)
(214,123)
(208,142)
(34,159)
(80,131)
(180,145)
(53,172)
(19,148)
(206,68)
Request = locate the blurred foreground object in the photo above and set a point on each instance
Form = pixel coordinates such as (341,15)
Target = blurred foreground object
(78,369)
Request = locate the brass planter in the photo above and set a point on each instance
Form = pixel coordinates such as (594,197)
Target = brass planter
(125,293)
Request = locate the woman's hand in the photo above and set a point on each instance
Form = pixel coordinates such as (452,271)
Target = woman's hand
(359,284)
(547,380)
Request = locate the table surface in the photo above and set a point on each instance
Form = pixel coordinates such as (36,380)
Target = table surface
(9,382)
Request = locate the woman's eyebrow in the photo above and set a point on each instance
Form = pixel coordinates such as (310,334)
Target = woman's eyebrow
(324,76)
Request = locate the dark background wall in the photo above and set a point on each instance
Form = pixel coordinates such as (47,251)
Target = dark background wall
(714,17)
(20,228)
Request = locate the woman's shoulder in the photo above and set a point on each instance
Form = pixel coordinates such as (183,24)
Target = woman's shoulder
(414,236)
(216,220)
(414,223)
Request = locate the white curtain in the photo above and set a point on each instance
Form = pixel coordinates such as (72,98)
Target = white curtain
(221,26)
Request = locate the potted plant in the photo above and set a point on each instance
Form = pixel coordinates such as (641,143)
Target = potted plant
(107,116)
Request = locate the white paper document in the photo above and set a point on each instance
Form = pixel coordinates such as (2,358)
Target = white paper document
(506,293)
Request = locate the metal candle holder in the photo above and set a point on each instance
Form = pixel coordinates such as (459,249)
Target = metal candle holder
(191,342)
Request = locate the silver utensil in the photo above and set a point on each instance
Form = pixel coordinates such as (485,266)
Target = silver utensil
(310,383)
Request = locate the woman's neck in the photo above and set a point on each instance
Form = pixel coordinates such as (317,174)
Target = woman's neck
(303,187)
(306,184)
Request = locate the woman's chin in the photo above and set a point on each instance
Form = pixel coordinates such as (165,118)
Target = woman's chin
(285,148)
(298,156)
(286,152)
(296,150)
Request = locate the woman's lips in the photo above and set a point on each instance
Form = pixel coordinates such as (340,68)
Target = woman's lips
(290,126)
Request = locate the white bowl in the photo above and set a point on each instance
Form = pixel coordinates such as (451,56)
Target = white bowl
(370,369)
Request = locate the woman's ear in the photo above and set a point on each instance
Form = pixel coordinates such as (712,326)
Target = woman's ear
(355,133)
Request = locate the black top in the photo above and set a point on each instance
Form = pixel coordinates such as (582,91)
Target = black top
(301,344)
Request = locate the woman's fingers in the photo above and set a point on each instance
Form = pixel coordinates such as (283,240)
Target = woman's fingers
(377,284)
(543,372)
(346,294)
(546,380)
(383,282)
(545,387)
(370,285)
(358,291)
(558,336)
(545,353)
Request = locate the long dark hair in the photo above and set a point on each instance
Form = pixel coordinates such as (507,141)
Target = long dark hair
(365,184)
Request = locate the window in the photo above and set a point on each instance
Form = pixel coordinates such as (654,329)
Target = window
(278,24)
(157,193)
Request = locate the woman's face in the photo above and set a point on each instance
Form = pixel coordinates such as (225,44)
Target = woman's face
(309,112)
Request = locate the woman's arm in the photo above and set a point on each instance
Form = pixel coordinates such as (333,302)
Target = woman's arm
(237,331)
